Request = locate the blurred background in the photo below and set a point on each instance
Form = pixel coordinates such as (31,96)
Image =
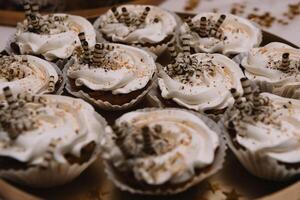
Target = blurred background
(280,17)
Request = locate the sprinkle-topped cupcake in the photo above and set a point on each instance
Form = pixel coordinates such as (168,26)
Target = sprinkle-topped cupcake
(111,76)
(46,140)
(228,34)
(275,68)
(162,151)
(29,74)
(52,36)
(199,81)
(264,133)
(149,27)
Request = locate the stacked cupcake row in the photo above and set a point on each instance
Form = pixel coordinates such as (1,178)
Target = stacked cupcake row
(211,65)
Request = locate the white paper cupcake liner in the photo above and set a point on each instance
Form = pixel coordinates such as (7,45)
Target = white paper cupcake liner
(60,89)
(290,90)
(55,174)
(258,164)
(157,49)
(7,48)
(105,105)
(152,96)
(214,168)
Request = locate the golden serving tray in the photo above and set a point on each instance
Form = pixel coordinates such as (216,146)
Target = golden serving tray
(233,181)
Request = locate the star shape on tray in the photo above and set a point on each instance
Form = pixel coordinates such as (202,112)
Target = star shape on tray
(213,187)
(232,195)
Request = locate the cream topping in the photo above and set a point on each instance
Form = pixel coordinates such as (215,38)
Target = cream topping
(238,35)
(277,134)
(125,69)
(263,64)
(60,41)
(26,73)
(208,87)
(158,25)
(63,125)
(180,142)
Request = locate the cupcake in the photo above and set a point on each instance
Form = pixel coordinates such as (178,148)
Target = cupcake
(52,36)
(275,68)
(263,133)
(111,76)
(47,140)
(199,81)
(30,74)
(227,34)
(148,27)
(162,151)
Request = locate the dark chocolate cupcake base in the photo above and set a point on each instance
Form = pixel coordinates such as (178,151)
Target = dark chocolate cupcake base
(106,100)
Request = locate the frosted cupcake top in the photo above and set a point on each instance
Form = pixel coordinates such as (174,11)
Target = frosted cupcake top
(27,73)
(52,36)
(266,124)
(112,67)
(136,24)
(228,34)
(276,63)
(161,146)
(39,129)
(200,81)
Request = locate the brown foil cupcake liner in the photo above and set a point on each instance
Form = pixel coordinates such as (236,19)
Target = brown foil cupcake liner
(214,168)
(258,164)
(55,174)
(105,105)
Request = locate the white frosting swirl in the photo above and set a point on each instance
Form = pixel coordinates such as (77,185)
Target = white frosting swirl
(151,32)
(68,123)
(279,141)
(60,42)
(261,64)
(190,145)
(205,90)
(36,71)
(241,34)
(126,69)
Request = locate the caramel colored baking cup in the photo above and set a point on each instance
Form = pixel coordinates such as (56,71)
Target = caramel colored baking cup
(258,164)
(157,49)
(105,105)
(214,168)
(55,174)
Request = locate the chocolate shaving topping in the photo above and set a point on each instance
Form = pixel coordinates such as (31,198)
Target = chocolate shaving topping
(15,116)
(251,108)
